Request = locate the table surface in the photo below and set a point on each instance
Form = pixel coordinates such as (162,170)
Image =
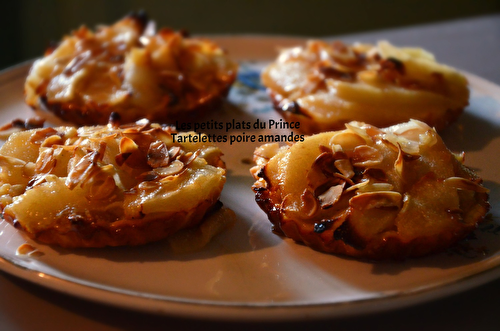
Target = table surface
(472,45)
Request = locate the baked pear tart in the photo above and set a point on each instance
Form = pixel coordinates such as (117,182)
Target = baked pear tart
(129,69)
(367,192)
(325,85)
(107,185)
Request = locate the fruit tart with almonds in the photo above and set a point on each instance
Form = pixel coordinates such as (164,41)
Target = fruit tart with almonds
(127,68)
(325,85)
(367,192)
(107,185)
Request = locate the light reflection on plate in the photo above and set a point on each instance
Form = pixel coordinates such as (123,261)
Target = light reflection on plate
(249,272)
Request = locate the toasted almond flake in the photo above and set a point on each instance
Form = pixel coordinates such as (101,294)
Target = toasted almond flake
(148,186)
(321,170)
(172,177)
(408,146)
(348,140)
(309,203)
(345,167)
(428,138)
(40,135)
(381,199)
(192,157)
(254,171)
(163,135)
(366,156)
(344,178)
(373,187)
(331,196)
(360,129)
(158,155)
(131,130)
(37,180)
(46,161)
(52,140)
(85,168)
(174,151)
(147,176)
(324,163)
(336,148)
(464,184)
(398,164)
(25,249)
(409,130)
(173,168)
(127,145)
(143,123)
(357,186)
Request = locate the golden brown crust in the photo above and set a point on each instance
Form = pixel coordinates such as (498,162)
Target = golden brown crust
(325,85)
(99,114)
(128,69)
(371,193)
(125,233)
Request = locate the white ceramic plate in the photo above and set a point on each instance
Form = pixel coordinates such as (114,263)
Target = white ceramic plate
(248,272)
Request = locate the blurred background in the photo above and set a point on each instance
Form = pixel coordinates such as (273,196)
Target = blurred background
(28,26)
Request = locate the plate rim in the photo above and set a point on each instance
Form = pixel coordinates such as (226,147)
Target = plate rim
(249,312)
(240,311)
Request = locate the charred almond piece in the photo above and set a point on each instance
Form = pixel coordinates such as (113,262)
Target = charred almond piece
(380,84)
(370,198)
(78,194)
(132,71)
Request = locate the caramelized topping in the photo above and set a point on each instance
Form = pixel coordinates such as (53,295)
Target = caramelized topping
(364,191)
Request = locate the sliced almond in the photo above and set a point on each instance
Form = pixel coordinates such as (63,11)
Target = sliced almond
(46,161)
(345,167)
(158,155)
(380,199)
(172,169)
(331,196)
(127,145)
(40,135)
(52,140)
(348,140)
(366,156)
(309,205)
(174,152)
(464,184)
